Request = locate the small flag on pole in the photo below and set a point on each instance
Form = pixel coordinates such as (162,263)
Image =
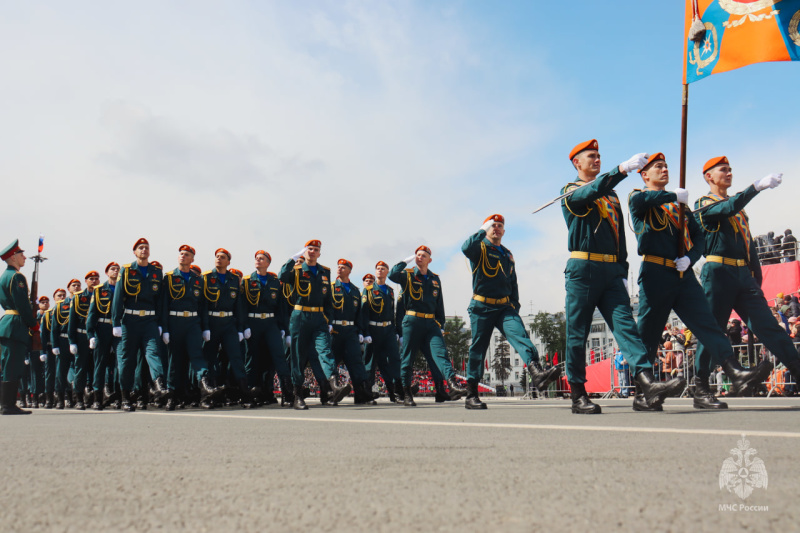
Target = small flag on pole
(41,243)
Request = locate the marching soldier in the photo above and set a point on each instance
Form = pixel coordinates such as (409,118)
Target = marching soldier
(495,304)
(382,351)
(101,339)
(597,272)
(667,281)
(348,331)
(307,285)
(36,361)
(59,336)
(135,312)
(184,316)
(15,326)
(424,320)
(221,289)
(78,339)
(732,274)
(48,356)
(265,328)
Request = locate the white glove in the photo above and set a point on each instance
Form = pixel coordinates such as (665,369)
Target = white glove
(288,340)
(117,331)
(360,338)
(330,328)
(400,340)
(410,259)
(241,336)
(27,361)
(487,225)
(625,282)
(634,163)
(368,339)
(43,358)
(160,330)
(165,337)
(206,335)
(442,333)
(93,343)
(682,263)
(683,196)
(299,254)
(283,334)
(73,349)
(398,337)
(770,181)
(56,351)
(247,333)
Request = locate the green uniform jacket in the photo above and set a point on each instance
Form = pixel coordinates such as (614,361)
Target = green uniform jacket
(137,293)
(45,321)
(722,237)
(588,231)
(420,294)
(656,235)
(99,307)
(493,272)
(14,297)
(266,298)
(377,306)
(60,321)
(78,312)
(224,297)
(347,306)
(182,295)
(306,289)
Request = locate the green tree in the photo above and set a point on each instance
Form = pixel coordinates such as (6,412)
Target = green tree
(551,328)
(501,363)
(457,339)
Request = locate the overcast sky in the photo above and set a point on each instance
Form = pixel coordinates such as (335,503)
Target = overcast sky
(372,126)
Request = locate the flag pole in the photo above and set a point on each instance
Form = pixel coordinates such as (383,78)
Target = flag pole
(681,214)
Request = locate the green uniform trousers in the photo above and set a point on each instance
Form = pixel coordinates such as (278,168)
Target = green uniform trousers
(185,350)
(12,359)
(345,347)
(590,285)
(421,334)
(104,357)
(138,335)
(483,318)
(225,335)
(84,363)
(64,362)
(310,342)
(265,354)
(382,354)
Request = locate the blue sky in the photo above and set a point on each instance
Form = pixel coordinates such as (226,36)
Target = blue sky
(374,127)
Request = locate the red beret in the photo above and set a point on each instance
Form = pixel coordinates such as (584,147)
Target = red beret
(346,263)
(264,253)
(156,264)
(314,242)
(57,291)
(496,218)
(236,272)
(73,280)
(92,273)
(187,248)
(111,264)
(224,251)
(424,249)
(140,241)
(714,161)
(588,145)
(658,156)
(367,276)
(195,268)
(380,264)
(44,298)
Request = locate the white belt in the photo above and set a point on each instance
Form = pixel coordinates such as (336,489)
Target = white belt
(343,323)
(261,315)
(221,313)
(81,330)
(184,314)
(104,320)
(64,335)
(139,312)
(380,324)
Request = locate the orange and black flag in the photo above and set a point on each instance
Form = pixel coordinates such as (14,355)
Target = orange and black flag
(723,35)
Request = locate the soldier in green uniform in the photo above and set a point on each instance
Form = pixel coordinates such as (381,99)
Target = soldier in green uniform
(59,336)
(221,289)
(15,326)
(424,320)
(731,276)
(184,316)
(307,285)
(135,312)
(266,323)
(382,351)
(348,331)
(48,356)
(597,273)
(79,340)
(36,361)
(495,304)
(667,281)
(101,340)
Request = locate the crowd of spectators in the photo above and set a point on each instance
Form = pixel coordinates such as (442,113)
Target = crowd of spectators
(777,249)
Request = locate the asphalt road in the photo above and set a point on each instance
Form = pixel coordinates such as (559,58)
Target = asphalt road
(518,466)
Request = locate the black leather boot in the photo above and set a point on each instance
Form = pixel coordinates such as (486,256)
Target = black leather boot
(299,403)
(456,390)
(369,397)
(8,399)
(337,393)
(399,391)
(441,395)
(414,388)
(23,399)
(108,395)
(408,399)
(161,392)
(59,400)
(473,400)
(639,402)
(171,403)
(581,404)
(249,395)
(390,391)
(48,400)
(655,392)
(287,394)
(703,397)
(745,381)
(142,398)
(69,399)
(540,378)
(207,391)
(128,401)
(35,401)
(80,404)
(97,405)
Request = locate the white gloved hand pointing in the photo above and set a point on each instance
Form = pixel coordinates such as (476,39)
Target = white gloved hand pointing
(770,181)
(299,254)
(410,259)
(634,163)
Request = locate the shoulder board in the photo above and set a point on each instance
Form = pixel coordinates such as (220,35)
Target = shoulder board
(234,274)
(323,267)
(169,274)
(569,186)
(409,270)
(159,267)
(127,265)
(273,274)
(433,274)
(368,287)
(207,272)
(705,200)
